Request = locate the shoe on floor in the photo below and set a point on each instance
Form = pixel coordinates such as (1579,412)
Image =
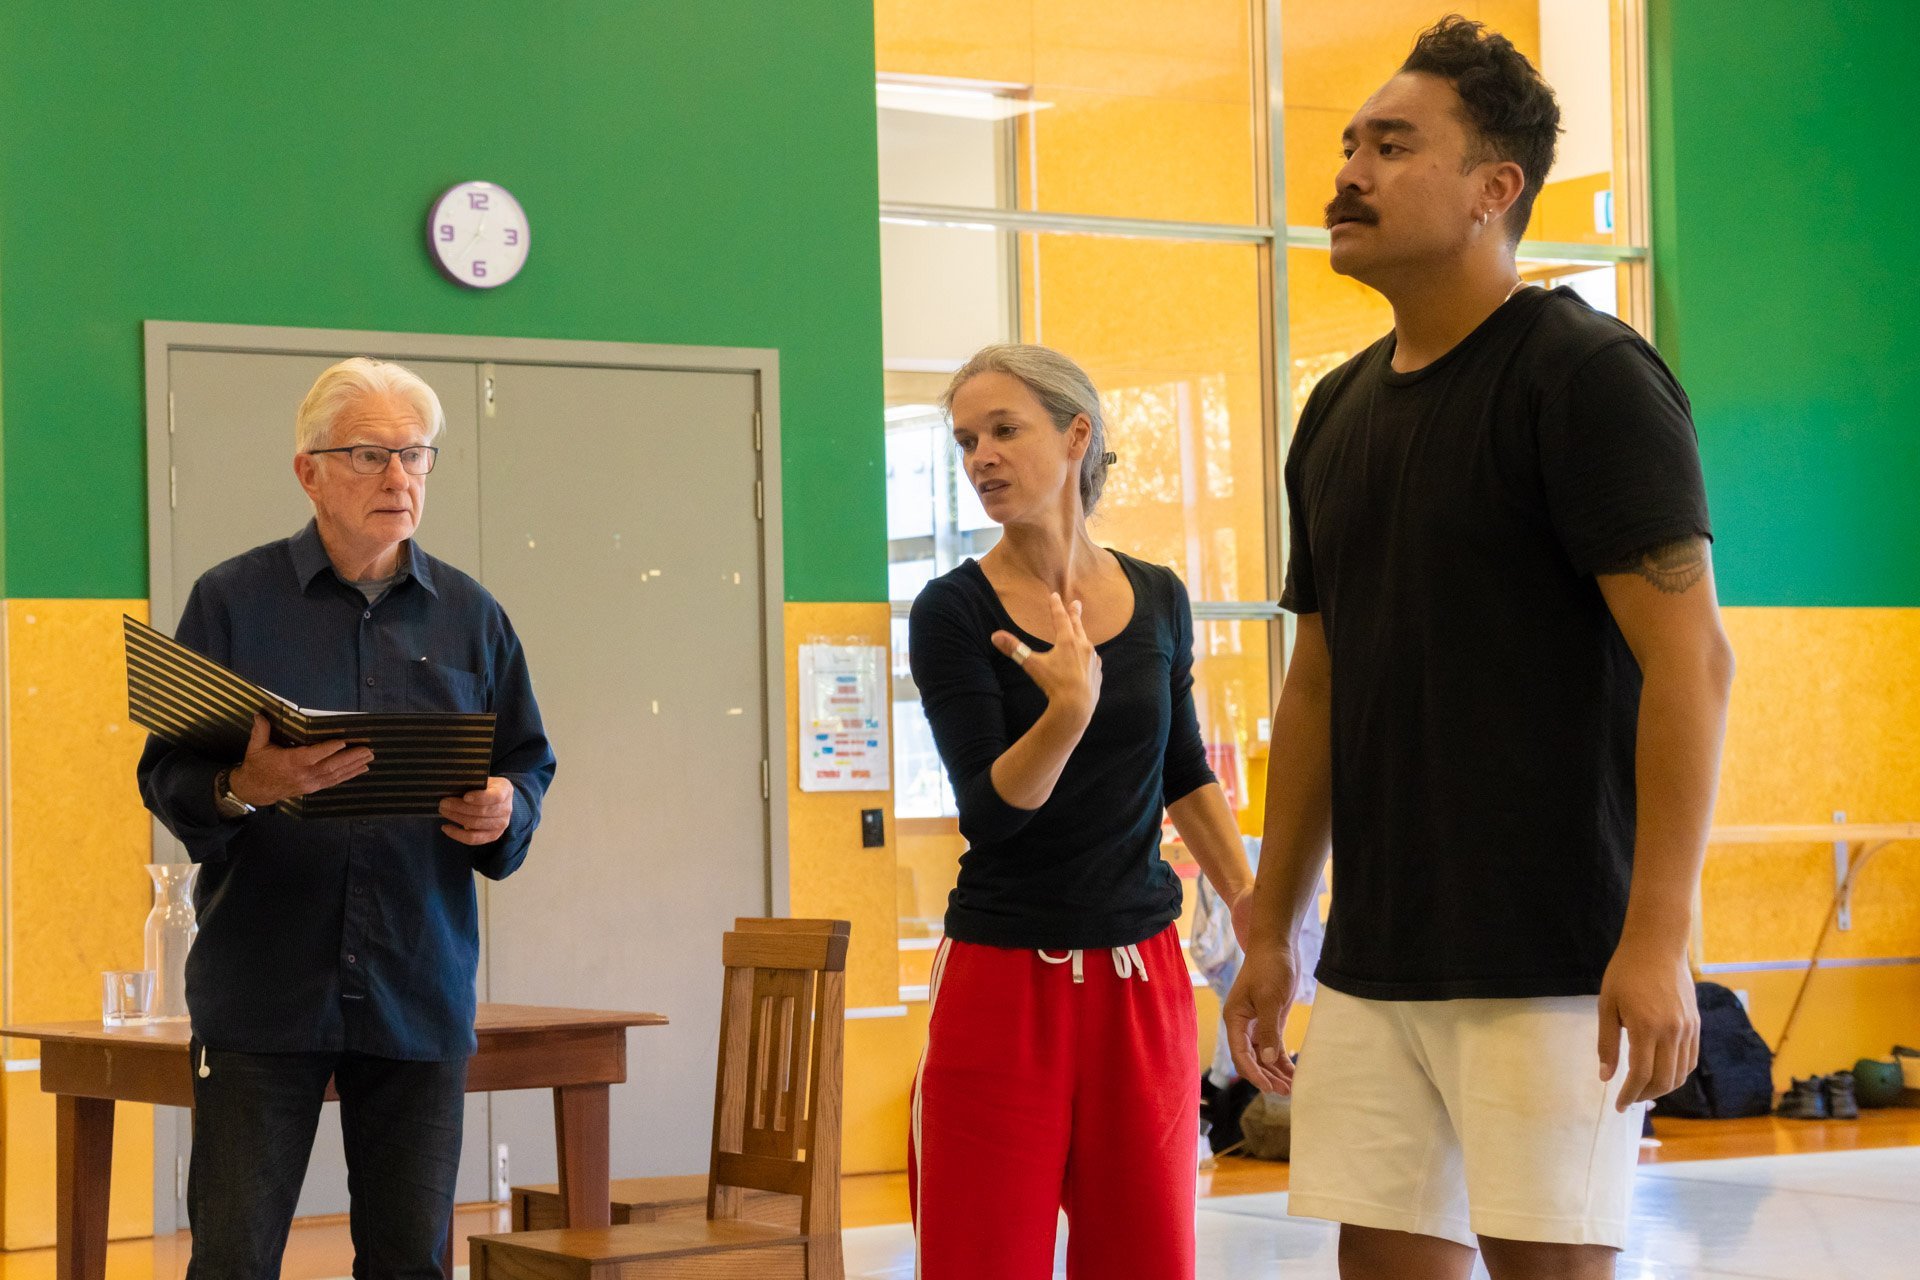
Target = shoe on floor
(1807,1100)
(1841,1103)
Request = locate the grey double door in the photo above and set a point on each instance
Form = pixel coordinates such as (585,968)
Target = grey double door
(613,513)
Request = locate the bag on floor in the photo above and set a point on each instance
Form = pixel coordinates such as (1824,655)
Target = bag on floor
(1735,1074)
(1266,1127)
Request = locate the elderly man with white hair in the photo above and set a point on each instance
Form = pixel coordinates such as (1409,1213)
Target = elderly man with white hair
(342,949)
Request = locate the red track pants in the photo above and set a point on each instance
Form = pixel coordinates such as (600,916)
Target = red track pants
(1057,1080)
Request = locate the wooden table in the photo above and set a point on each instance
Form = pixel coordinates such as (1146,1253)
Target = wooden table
(578,1053)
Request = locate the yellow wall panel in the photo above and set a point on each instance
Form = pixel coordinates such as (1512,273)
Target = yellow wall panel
(1848,1014)
(78,837)
(77,894)
(1825,718)
(28,1158)
(828,872)
(882,1056)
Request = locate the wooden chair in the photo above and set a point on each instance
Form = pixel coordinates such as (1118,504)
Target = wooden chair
(675,1197)
(776,1130)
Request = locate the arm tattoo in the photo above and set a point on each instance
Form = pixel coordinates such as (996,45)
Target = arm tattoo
(1672,567)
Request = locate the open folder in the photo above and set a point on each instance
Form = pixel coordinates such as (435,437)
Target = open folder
(419,758)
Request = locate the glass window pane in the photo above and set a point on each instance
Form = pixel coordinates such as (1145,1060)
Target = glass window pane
(945,292)
(1128,108)
(1602,284)
(1170,333)
(1331,318)
(1335,56)
(920,787)
(931,152)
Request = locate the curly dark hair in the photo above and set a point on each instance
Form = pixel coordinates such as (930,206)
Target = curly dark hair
(1506,103)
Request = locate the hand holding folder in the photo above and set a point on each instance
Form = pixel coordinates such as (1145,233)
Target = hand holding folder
(419,758)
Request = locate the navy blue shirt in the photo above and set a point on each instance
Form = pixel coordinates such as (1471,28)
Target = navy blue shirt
(345,934)
(1084,869)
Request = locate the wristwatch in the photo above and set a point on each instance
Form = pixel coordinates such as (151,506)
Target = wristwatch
(229,804)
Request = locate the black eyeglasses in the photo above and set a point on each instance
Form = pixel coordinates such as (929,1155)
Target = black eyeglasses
(372,459)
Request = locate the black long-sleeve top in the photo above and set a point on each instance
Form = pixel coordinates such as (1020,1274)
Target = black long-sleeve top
(1084,869)
(334,933)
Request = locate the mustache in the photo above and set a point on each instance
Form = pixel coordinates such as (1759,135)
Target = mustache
(1347,207)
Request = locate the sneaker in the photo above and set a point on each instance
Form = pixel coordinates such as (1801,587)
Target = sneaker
(1841,1104)
(1807,1100)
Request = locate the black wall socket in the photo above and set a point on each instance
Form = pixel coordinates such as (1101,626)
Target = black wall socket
(873,831)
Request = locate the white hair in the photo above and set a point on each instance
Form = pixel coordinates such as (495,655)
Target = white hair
(1063,389)
(346,384)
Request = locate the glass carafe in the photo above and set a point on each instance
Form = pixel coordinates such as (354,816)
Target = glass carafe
(170,932)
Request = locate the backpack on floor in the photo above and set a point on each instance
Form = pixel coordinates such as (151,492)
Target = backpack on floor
(1735,1074)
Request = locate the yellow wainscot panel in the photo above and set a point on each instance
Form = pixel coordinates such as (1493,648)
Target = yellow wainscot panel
(1825,718)
(829,874)
(28,1162)
(1848,1014)
(882,1056)
(78,836)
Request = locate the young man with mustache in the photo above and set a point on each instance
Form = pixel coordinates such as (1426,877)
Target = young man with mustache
(1504,710)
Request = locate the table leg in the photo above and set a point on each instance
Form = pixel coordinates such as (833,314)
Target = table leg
(581,1132)
(83,1174)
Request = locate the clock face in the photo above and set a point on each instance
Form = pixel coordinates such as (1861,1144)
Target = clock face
(478,234)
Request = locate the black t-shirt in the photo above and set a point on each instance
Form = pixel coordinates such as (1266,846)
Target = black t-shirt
(1447,524)
(1084,869)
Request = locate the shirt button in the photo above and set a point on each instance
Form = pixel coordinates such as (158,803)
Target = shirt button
(369,681)
(367,614)
(351,958)
(358,891)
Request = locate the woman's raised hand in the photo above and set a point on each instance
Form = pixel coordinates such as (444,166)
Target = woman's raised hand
(1068,673)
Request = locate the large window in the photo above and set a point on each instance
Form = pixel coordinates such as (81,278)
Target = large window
(1139,183)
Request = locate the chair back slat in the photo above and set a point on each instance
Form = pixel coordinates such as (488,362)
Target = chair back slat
(783,924)
(777,1097)
(778,1062)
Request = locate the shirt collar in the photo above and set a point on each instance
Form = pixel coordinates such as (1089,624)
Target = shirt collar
(310,560)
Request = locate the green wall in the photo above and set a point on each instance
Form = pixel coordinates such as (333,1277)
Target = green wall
(695,173)
(1786,216)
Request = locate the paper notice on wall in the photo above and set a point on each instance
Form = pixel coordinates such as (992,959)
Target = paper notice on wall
(843,718)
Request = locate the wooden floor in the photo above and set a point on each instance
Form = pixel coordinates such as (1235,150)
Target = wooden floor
(320,1248)
(871,1200)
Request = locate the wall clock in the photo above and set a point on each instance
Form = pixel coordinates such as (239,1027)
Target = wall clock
(478,234)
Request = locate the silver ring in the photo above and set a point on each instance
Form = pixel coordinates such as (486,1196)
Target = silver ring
(1021,653)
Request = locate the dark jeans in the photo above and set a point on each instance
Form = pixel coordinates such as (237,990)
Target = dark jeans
(253,1126)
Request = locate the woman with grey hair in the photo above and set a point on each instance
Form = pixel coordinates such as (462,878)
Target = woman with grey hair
(1060,1069)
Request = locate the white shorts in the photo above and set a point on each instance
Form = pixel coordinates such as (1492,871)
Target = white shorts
(1462,1118)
